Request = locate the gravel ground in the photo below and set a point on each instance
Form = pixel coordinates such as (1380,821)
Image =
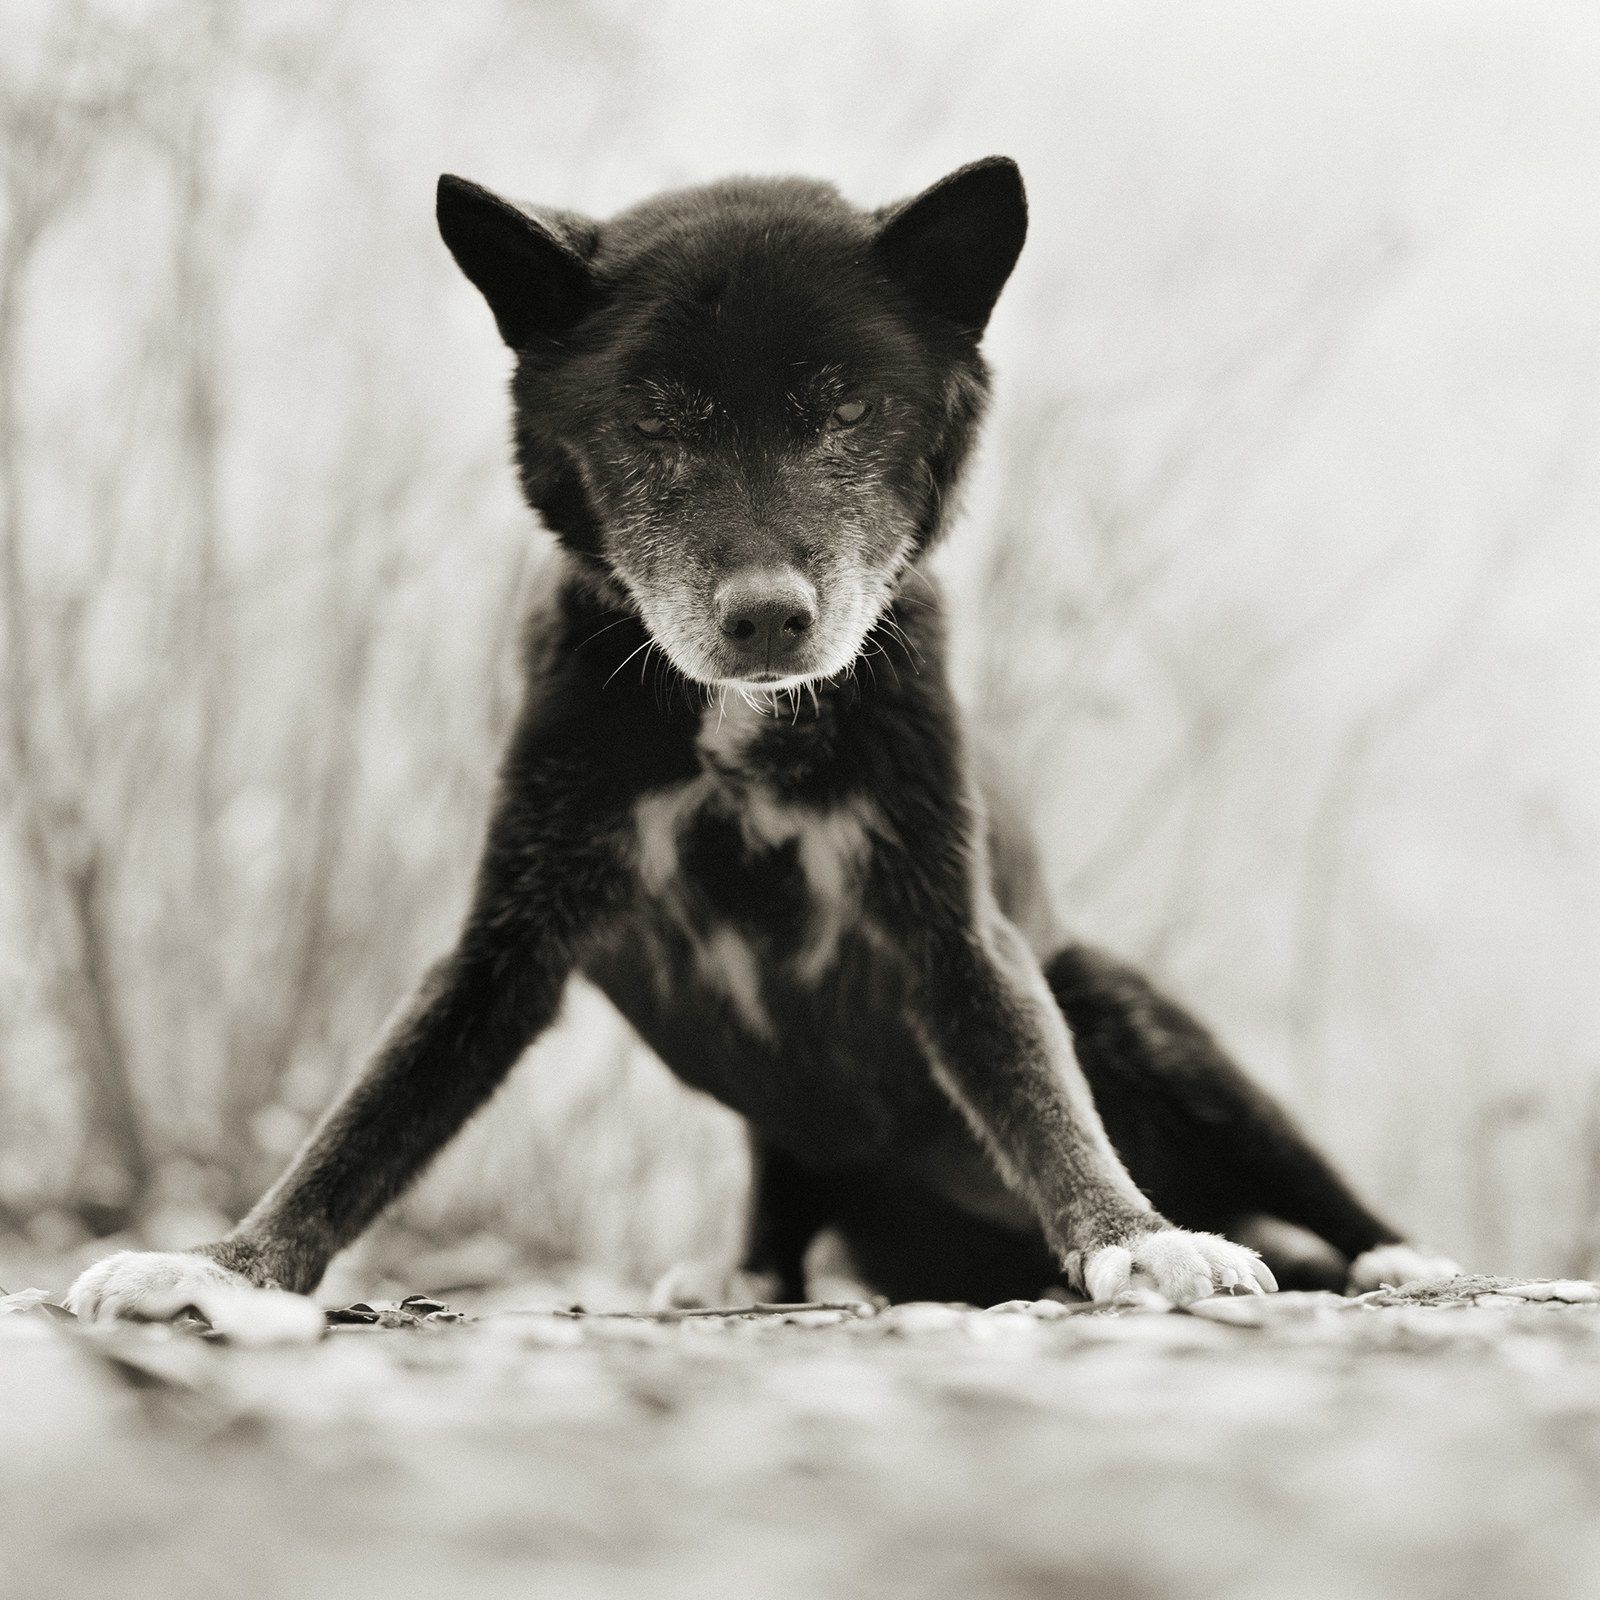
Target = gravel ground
(1441,1442)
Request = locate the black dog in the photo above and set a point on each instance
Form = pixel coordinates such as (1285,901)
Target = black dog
(739,801)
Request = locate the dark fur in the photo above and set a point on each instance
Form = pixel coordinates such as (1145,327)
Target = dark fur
(901,1062)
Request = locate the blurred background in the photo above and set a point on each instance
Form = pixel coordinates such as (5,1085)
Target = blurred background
(1277,588)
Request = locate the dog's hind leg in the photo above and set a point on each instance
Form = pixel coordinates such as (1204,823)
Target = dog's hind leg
(789,1207)
(1210,1148)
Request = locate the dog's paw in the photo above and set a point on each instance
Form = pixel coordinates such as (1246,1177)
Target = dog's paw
(1397,1264)
(698,1285)
(1179,1266)
(146,1284)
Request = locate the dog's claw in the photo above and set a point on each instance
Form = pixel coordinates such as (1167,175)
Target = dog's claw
(1182,1267)
(1107,1273)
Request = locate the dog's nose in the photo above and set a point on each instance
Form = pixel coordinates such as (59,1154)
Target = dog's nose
(766,614)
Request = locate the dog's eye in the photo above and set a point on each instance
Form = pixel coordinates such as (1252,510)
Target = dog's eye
(653,427)
(849,414)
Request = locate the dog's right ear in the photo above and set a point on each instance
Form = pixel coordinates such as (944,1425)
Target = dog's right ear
(532,269)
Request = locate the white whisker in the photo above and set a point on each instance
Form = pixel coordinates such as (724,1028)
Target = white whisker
(646,647)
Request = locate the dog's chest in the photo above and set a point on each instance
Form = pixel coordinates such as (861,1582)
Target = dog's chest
(756,888)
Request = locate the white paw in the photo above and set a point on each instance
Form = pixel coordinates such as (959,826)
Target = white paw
(1397,1264)
(146,1284)
(1179,1266)
(153,1286)
(696,1285)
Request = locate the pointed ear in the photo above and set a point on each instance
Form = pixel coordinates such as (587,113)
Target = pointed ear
(533,269)
(953,247)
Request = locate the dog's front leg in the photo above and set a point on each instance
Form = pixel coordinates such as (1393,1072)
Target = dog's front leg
(1000,1048)
(550,877)
(471,1019)
(474,1014)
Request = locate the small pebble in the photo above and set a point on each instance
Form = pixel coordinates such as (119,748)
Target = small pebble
(23,1300)
(923,1316)
(1573,1291)
(1045,1310)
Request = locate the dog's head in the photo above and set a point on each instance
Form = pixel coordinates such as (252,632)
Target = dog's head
(747,404)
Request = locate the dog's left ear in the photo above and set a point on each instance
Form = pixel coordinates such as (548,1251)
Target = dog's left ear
(953,246)
(531,264)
